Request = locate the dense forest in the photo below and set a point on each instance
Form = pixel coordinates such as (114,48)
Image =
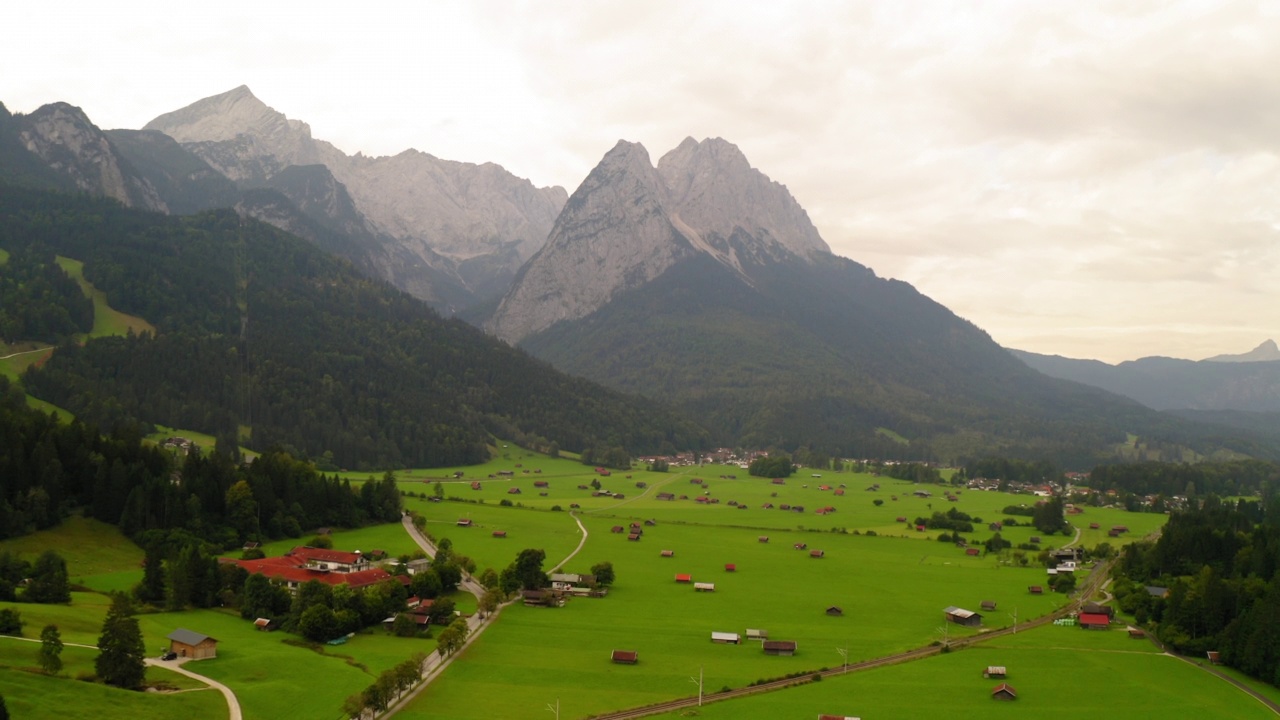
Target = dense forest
(264,339)
(52,468)
(39,301)
(1218,564)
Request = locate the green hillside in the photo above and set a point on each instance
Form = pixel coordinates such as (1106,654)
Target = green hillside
(254,327)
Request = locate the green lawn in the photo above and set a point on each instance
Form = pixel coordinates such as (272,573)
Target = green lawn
(390,537)
(1059,673)
(276,679)
(554,532)
(31,695)
(89,546)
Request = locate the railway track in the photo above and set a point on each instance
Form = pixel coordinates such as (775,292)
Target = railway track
(1096,579)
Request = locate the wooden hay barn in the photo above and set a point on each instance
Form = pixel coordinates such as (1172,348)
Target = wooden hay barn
(1136,634)
(989,605)
(684,578)
(726,638)
(1035,590)
(668,553)
(835,611)
(704,587)
(189,644)
(617,529)
(754,634)
(1004,691)
(817,554)
(763,538)
(633,537)
(499,533)
(730,567)
(779,647)
(464,522)
(625,657)
(994,671)
(960,616)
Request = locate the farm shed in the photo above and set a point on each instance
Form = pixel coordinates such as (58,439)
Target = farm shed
(617,529)
(837,717)
(989,605)
(1094,526)
(704,587)
(971,551)
(189,644)
(1214,657)
(960,616)
(1035,590)
(475,484)
(994,671)
(668,553)
(1092,607)
(513,491)
(633,537)
(726,638)
(625,657)
(754,634)
(764,538)
(499,533)
(1004,691)
(835,611)
(266,624)
(684,577)
(817,554)
(540,483)
(901,518)
(464,522)
(1136,634)
(779,647)
(730,567)
(1095,621)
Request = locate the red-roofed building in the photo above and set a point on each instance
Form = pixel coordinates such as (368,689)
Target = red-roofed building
(1004,691)
(1095,621)
(336,560)
(684,578)
(303,564)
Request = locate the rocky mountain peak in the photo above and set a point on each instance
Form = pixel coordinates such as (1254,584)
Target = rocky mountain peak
(225,116)
(630,221)
(614,234)
(63,137)
(714,189)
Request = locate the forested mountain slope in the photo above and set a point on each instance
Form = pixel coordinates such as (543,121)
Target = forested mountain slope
(261,334)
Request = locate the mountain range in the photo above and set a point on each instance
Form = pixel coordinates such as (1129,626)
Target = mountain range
(698,283)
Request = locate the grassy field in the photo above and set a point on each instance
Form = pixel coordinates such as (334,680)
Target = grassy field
(271,675)
(1059,673)
(892,593)
(31,695)
(202,440)
(89,546)
(106,319)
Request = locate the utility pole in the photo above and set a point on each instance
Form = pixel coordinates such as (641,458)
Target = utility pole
(1015,621)
(844,653)
(555,708)
(697,682)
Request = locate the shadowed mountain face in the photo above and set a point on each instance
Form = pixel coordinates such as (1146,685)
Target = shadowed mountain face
(1226,382)
(474,224)
(703,283)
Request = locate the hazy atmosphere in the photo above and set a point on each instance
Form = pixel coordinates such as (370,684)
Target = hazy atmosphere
(1094,183)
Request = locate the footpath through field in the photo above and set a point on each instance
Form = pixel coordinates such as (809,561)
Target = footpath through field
(233,704)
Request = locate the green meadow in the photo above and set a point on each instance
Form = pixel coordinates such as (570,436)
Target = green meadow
(106,319)
(1058,672)
(32,695)
(98,555)
(891,592)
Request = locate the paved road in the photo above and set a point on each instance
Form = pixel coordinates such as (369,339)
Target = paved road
(233,704)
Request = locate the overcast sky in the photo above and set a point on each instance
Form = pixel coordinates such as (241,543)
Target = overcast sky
(1086,179)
